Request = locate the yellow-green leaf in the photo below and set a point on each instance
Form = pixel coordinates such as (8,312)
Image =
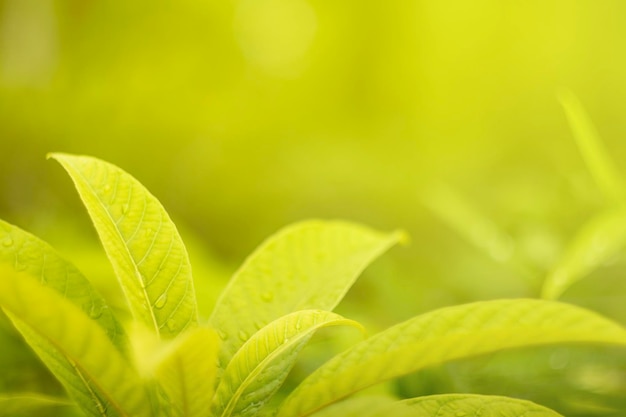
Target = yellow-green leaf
(76,349)
(600,239)
(460,405)
(260,367)
(309,265)
(187,372)
(448,334)
(30,255)
(141,241)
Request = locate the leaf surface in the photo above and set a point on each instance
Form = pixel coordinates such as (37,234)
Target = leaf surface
(260,367)
(187,372)
(30,255)
(448,334)
(76,349)
(309,265)
(595,243)
(459,405)
(141,241)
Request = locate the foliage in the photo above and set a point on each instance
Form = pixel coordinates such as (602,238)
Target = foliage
(164,360)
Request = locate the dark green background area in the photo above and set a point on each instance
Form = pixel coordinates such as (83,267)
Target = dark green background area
(438,117)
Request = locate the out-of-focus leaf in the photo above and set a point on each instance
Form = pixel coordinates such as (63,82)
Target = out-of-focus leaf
(141,241)
(260,367)
(76,349)
(447,334)
(187,372)
(461,216)
(595,243)
(363,406)
(592,149)
(309,265)
(28,254)
(27,403)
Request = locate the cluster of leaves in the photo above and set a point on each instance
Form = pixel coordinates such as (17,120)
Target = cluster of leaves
(166,361)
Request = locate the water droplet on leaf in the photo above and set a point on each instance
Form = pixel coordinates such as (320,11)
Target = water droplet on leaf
(171,325)
(267,296)
(160,302)
(124,208)
(7,241)
(222,335)
(243,336)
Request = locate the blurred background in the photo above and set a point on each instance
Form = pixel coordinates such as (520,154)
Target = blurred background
(441,118)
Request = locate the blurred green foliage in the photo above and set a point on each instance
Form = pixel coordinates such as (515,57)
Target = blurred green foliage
(438,117)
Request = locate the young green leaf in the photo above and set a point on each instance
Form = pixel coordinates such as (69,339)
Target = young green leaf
(458,405)
(448,334)
(309,265)
(260,367)
(600,239)
(141,241)
(74,347)
(27,403)
(26,253)
(187,372)
(592,149)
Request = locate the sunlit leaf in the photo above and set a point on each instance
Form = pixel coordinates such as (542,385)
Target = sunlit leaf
(447,334)
(74,347)
(592,149)
(26,253)
(141,242)
(187,372)
(260,367)
(599,240)
(309,265)
(27,403)
(461,405)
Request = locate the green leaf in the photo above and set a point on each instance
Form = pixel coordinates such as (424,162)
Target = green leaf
(363,406)
(309,265)
(260,367)
(599,240)
(76,349)
(187,372)
(448,334)
(27,403)
(141,242)
(448,405)
(592,149)
(459,405)
(26,253)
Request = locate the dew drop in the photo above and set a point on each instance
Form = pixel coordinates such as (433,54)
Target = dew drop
(160,302)
(267,296)
(148,231)
(223,335)
(171,325)
(124,208)
(93,310)
(243,336)
(107,188)
(7,241)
